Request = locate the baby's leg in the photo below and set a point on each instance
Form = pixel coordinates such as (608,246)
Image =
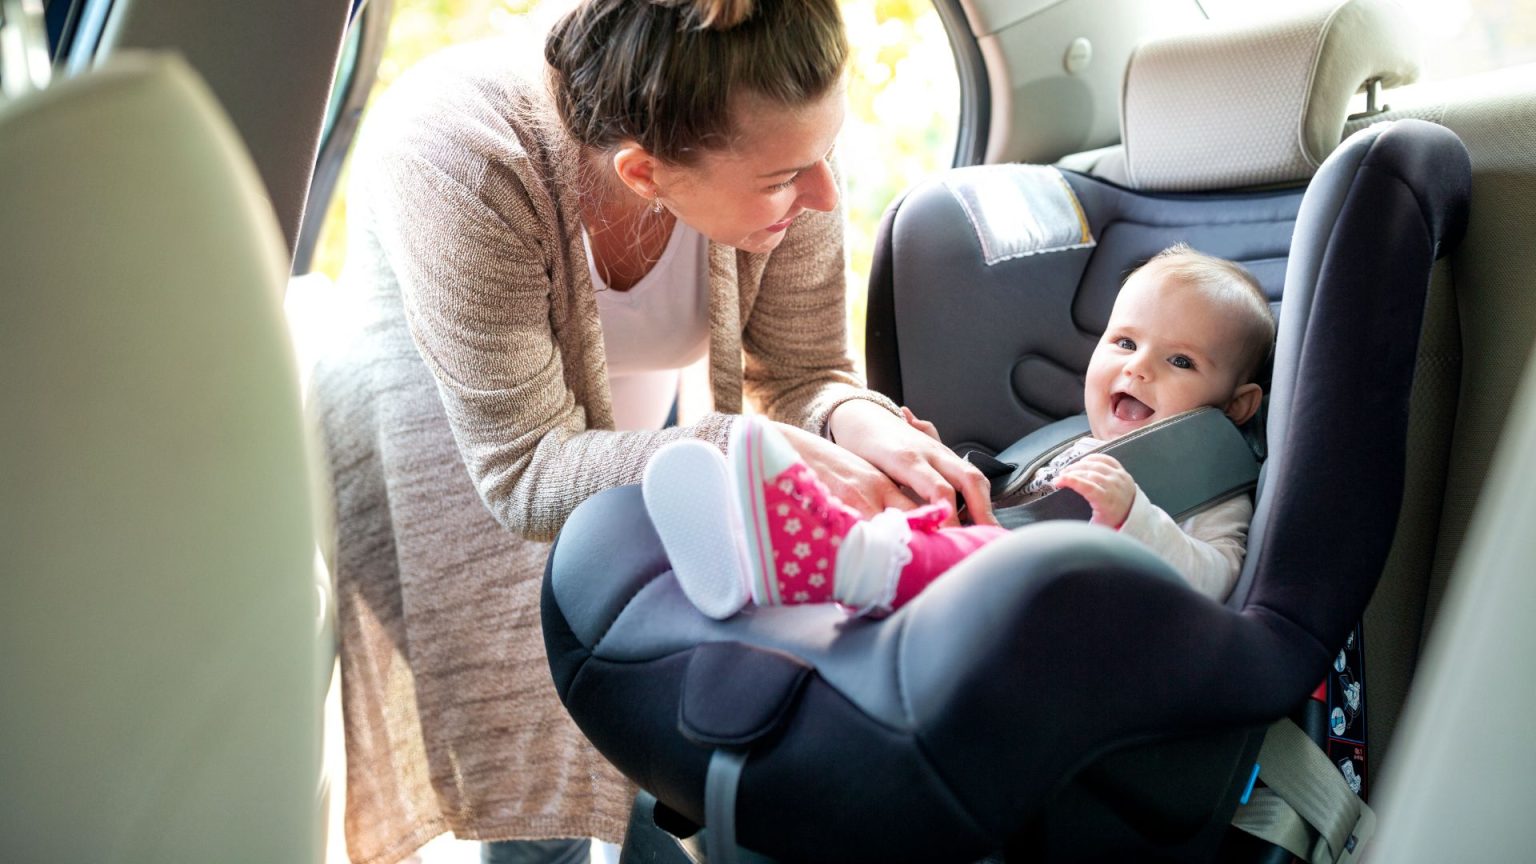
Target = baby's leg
(687,489)
(935,551)
(891,558)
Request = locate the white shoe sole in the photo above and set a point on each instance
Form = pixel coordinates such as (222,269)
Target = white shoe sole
(688,493)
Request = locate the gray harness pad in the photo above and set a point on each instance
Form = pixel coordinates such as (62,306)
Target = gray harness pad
(1185,464)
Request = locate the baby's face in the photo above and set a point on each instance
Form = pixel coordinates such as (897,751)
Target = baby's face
(1169,347)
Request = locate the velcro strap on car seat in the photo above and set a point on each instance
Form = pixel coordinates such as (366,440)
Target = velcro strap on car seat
(1184,464)
(733,695)
(1019,210)
(1308,808)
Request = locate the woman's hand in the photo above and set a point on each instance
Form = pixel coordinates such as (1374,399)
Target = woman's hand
(1106,485)
(852,479)
(908,451)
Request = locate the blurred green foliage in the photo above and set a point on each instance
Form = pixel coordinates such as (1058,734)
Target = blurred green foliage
(903,100)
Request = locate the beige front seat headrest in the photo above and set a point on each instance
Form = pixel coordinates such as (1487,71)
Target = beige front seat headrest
(1259,103)
(165,648)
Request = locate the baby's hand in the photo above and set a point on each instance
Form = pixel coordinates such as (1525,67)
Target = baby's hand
(1108,488)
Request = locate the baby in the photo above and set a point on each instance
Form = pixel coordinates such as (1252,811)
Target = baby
(1188,330)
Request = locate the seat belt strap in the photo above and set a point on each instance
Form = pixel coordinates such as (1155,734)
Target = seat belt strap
(1268,818)
(1302,779)
(724,773)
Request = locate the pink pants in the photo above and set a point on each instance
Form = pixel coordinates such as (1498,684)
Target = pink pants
(935,550)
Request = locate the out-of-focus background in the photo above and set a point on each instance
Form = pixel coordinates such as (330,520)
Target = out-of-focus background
(903,95)
(903,99)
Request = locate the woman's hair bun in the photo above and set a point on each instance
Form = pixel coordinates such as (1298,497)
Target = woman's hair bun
(719,14)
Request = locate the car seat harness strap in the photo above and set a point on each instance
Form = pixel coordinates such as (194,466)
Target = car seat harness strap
(720,782)
(1184,464)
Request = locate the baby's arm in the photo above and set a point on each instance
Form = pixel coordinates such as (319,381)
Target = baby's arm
(1209,554)
(1207,549)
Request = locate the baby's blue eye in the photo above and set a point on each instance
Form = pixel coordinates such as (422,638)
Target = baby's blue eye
(1125,344)
(1181,361)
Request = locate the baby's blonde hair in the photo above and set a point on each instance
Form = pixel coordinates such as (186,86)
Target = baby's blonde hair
(1231,283)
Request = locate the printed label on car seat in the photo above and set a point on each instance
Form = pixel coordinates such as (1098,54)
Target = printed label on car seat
(1346,712)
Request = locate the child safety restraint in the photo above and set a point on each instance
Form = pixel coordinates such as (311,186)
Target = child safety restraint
(1060,695)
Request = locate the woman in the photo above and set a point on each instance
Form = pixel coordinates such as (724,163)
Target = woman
(540,257)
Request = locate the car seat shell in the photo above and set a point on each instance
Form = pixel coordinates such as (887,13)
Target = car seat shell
(971,713)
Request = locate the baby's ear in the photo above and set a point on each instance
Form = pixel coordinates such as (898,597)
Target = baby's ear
(1244,403)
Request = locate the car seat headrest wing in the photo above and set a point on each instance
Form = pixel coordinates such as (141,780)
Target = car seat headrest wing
(1253,105)
(1374,221)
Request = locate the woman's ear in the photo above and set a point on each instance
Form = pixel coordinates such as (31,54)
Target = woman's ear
(636,169)
(1245,403)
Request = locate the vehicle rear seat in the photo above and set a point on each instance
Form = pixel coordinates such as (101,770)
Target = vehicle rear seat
(1471,361)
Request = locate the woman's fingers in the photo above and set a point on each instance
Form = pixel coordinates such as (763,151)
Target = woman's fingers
(950,478)
(847,475)
(976,489)
(926,482)
(868,492)
(908,451)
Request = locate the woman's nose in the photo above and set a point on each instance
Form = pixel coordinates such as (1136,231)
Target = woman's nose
(818,188)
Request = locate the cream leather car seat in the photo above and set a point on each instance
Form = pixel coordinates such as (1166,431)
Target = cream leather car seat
(162,646)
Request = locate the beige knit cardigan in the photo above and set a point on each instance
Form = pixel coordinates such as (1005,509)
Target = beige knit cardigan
(464,418)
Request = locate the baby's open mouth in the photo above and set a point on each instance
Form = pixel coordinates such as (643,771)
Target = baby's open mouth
(1128,408)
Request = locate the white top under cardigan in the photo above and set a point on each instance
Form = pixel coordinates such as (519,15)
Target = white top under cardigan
(655,328)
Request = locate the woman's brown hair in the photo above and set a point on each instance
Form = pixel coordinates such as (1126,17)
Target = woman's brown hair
(665,73)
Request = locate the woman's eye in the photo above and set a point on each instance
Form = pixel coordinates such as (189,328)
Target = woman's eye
(1181,361)
(1125,344)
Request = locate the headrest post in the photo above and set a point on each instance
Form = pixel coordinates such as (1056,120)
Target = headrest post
(1372,90)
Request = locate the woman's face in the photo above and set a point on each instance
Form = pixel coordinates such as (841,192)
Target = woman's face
(746,196)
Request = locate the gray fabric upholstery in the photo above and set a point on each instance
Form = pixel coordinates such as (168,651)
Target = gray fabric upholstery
(1008,380)
(1395,617)
(1460,785)
(1477,338)
(163,645)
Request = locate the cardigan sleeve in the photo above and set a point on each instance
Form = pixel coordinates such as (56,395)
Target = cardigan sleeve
(476,264)
(798,364)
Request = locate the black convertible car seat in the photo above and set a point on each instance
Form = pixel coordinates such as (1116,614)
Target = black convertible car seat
(1061,695)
